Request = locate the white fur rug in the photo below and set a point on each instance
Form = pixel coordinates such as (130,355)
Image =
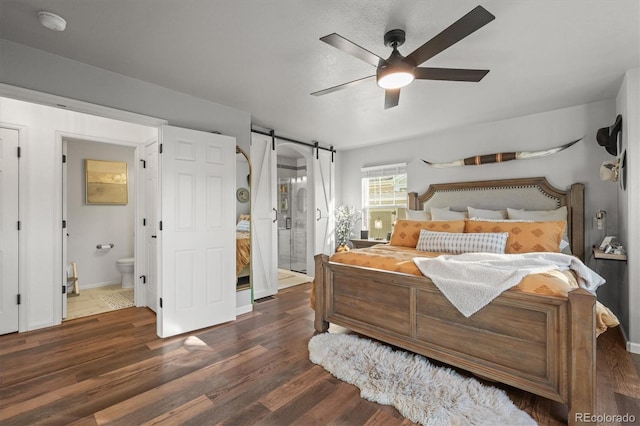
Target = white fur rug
(421,392)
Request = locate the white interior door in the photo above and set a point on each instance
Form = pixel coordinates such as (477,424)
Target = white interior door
(151,224)
(9,286)
(264,249)
(197,230)
(324,192)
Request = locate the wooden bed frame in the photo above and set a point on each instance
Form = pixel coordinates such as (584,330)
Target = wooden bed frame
(541,344)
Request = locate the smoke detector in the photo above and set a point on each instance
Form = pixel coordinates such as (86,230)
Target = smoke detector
(52,21)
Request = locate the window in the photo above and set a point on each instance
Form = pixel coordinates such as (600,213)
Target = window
(384,198)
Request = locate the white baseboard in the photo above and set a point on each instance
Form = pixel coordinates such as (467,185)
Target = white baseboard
(244,309)
(94,285)
(243,302)
(633,347)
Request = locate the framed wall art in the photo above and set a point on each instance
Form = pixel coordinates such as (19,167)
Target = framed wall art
(106,182)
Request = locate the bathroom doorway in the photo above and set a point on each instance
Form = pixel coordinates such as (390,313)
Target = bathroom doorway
(99,182)
(293,212)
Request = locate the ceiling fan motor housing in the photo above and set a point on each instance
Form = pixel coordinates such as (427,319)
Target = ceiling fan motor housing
(394,38)
(395,64)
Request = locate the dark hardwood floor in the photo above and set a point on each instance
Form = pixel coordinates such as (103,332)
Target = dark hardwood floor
(112,369)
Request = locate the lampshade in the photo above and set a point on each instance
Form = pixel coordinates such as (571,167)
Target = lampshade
(395,80)
(395,75)
(377,223)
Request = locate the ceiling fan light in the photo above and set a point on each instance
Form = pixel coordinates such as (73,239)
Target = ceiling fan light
(395,80)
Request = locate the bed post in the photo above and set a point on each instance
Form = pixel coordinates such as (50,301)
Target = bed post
(413,201)
(320,324)
(577,220)
(582,356)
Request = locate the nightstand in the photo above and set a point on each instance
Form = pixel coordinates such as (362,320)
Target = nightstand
(360,243)
(599,254)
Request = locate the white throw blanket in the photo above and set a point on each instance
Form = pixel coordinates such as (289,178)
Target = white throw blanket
(472,280)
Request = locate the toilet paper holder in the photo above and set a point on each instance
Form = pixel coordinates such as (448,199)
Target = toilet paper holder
(105,246)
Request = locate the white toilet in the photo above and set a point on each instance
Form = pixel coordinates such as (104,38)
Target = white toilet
(125,266)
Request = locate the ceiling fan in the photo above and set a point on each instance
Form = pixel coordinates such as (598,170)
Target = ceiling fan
(398,71)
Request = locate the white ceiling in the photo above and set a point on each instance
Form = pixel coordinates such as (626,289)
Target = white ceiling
(264,57)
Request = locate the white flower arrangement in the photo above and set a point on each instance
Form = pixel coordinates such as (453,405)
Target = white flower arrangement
(346,218)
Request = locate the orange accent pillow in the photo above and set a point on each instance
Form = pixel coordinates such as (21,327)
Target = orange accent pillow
(407,232)
(524,237)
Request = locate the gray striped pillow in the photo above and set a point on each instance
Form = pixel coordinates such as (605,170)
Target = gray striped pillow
(457,243)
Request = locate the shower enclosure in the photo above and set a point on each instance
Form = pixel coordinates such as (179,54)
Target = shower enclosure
(292,211)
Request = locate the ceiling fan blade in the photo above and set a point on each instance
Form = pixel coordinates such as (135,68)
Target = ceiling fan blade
(343,86)
(352,49)
(469,23)
(451,74)
(391,98)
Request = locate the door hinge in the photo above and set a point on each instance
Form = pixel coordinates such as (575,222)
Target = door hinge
(19,152)
(332,153)
(144,279)
(144,163)
(19,299)
(160,149)
(19,225)
(144,221)
(64,224)
(64,289)
(161,302)
(160,225)
(64,158)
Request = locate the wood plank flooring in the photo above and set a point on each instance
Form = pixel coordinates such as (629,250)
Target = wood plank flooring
(112,369)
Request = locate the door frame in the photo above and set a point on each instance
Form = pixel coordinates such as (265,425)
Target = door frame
(138,195)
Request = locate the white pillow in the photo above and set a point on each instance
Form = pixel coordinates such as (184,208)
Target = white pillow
(557,215)
(445,214)
(243,226)
(418,215)
(486,214)
(457,243)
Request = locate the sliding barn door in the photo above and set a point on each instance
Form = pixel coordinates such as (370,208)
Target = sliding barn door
(9,288)
(324,189)
(264,249)
(196,230)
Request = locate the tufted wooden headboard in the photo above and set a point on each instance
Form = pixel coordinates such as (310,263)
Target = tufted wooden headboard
(523,193)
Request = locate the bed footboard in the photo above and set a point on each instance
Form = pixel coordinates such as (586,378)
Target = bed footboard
(540,344)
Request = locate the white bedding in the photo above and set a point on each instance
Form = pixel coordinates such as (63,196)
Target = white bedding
(472,280)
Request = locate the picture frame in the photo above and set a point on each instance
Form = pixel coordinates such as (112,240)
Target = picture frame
(106,182)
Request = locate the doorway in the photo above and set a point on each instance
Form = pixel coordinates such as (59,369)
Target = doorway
(99,206)
(292,209)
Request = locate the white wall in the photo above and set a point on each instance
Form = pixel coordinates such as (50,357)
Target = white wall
(90,225)
(580,163)
(42,130)
(628,105)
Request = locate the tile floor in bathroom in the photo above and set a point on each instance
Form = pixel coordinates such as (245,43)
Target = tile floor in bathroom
(88,302)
